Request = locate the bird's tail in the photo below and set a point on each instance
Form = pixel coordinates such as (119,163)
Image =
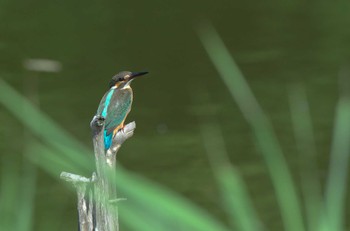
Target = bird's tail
(107,139)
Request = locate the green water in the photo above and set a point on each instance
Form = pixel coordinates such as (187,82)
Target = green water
(274,43)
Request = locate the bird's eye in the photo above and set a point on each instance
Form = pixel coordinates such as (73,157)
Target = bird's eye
(120,79)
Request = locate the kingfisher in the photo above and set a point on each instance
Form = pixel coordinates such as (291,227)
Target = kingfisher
(115,105)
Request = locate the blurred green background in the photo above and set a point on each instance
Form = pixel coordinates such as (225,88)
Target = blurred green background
(275,44)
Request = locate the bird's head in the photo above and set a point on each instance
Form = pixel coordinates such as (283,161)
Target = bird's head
(124,78)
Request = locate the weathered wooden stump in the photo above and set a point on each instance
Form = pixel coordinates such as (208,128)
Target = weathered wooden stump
(97,195)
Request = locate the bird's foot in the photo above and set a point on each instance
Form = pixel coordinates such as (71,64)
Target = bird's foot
(123,134)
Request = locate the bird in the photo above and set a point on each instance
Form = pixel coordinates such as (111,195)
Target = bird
(116,103)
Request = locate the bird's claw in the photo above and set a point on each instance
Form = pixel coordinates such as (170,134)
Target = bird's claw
(123,134)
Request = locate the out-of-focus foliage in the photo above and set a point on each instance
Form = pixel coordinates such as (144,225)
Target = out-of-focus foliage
(151,207)
(61,55)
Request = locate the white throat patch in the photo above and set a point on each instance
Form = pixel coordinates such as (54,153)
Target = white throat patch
(127,85)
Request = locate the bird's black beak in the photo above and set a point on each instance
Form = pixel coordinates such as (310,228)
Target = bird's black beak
(137,74)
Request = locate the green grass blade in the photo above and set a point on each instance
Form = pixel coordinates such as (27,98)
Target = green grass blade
(131,216)
(50,159)
(311,186)
(47,129)
(236,199)
(338,170)
(266,139)
(155,204)
(27,197)
(234,195)
(10,180)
